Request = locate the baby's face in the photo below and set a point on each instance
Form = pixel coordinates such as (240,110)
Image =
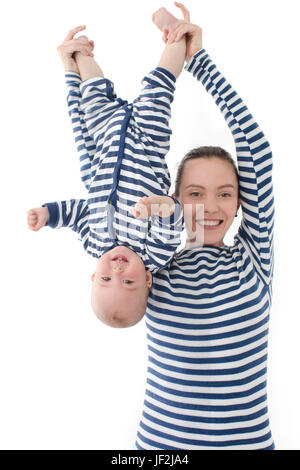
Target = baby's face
(121,268)
(120,283)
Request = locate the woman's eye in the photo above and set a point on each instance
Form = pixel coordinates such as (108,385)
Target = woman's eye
(126,281)
(195,194)
(105,278)
(225,194)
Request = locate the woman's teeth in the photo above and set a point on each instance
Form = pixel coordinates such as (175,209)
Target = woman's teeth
(209,222)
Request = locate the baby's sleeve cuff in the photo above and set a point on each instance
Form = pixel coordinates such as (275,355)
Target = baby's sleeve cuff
(53,214)
(174,218)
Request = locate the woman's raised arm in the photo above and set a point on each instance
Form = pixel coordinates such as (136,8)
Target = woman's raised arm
(253,151)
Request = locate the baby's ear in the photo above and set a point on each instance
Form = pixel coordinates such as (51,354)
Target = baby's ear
(148,278)
(93,277)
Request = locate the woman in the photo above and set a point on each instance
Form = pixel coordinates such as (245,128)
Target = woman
(207,315)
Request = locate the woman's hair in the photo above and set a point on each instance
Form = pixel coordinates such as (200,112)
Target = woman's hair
(203,152)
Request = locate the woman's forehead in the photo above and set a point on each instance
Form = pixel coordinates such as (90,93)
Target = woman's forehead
(208,172)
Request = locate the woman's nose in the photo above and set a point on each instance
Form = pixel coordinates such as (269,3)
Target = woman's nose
(210,204)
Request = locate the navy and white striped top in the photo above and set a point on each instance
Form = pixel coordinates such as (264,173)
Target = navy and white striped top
(208,313)
(122,150)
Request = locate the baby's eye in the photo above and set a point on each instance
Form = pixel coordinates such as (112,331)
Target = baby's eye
(105,278)
(126,281)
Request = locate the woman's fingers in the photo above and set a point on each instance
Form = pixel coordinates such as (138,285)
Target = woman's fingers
(74,31)
(180,30)
(177,33)
(175,25)
(165,36)
(84,50)
(184,10)
(82,38)
(71,45)
(83,41)
(77,46)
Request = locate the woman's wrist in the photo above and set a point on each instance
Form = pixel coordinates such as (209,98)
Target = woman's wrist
(188,58)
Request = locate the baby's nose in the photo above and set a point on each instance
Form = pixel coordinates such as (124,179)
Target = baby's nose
(118,265)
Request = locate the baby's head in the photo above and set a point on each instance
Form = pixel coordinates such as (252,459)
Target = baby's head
(120,288)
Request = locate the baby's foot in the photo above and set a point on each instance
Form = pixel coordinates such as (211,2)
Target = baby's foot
(163,19)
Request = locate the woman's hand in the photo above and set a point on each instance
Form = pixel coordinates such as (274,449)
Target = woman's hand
(37,218)
(184,27)
(71,45)
(193,36)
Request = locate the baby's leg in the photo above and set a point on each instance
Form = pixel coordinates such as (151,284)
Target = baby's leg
(163,19)
(88,67)
(99,101)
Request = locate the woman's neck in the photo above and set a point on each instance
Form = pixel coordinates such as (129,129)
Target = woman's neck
(195,243)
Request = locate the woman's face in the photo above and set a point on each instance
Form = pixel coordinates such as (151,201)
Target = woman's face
(209,195)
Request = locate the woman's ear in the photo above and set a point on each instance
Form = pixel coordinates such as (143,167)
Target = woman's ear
(93,277)
(237,207)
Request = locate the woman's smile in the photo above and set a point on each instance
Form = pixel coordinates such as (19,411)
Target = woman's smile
(210,224)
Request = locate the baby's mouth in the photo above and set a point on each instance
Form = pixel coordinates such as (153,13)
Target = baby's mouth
(120,258)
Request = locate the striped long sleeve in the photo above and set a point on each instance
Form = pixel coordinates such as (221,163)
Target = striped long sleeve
(99,104)
(152,108)
(254,158)
(73,214)
(84,143)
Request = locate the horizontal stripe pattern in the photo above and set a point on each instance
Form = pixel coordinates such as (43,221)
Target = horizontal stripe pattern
(122,150)
(208,314)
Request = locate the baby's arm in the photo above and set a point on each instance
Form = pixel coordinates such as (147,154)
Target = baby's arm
(73,214)
(164,231)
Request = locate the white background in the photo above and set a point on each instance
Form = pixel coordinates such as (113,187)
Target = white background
(67,380)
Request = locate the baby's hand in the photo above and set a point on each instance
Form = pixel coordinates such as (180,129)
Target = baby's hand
(37,218)
(163,206)
(163,19)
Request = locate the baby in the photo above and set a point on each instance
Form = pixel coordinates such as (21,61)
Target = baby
(128,222)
